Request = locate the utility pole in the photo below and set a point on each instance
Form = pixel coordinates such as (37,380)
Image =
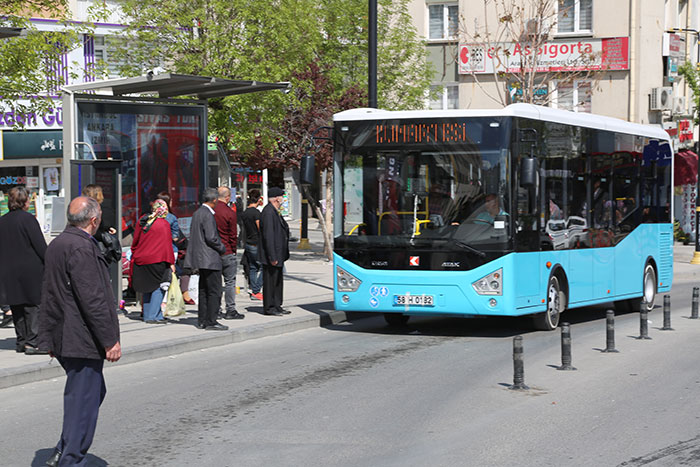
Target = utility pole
(372,46)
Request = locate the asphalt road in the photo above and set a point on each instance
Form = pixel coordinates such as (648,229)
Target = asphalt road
(361,394)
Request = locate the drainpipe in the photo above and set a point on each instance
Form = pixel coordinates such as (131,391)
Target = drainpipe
(632,109)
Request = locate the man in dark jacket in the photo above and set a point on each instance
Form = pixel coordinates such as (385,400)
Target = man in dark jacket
(273,251)
(204,253)
(227,225)
(78,325)
(22,249)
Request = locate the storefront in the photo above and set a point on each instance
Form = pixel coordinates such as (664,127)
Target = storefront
(32,158)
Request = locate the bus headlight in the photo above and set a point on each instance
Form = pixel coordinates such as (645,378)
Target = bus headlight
(346,282)
(491,284)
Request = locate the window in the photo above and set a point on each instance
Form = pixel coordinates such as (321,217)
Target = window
(574,16)
(575,96)
(448,97)
(443,21)
(104,51)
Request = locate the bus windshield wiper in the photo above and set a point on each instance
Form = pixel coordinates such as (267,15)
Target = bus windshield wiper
(470,248)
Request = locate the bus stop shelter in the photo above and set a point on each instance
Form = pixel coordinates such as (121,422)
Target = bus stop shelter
(137,137)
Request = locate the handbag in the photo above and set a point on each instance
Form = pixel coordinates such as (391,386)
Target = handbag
(109,246)
(175,304)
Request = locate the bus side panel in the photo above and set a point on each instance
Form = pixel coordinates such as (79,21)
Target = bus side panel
(526,269)
(629,267)
(665,258)
(580,275)
(603,280)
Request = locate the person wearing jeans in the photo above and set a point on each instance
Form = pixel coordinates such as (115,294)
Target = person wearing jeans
(251,227)
(227,226)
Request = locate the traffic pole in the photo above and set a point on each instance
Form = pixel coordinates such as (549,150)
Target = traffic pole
(610,332)
(694,304)
(643,324)
(518,365)
(565,348)
(304,235)
(667,314)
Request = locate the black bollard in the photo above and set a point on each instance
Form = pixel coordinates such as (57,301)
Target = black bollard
(694,305)
(565,348)
(667,314)
(643,325)
(518,364)
(610,332)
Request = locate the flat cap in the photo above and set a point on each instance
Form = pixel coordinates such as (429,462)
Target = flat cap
(275,192)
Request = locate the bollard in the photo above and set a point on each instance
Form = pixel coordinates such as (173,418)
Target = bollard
(667,314)
(518,364)
(610,332)
(694,305)
(565,348)
(643,325)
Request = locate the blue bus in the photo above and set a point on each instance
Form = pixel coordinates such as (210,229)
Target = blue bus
(524,210)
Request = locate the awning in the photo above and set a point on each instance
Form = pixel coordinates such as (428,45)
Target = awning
(685,170)
(168,85)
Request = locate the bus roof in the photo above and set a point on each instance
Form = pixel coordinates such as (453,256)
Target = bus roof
(532,111)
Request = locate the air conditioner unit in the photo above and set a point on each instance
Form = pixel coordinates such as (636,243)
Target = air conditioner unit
(661,98)
(679,105)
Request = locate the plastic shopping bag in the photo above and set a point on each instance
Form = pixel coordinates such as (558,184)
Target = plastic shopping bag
(193,288)
(175,304)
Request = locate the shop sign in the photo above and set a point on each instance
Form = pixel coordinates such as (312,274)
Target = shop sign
(32,144)
(611,53)
(51,119)
(685,130)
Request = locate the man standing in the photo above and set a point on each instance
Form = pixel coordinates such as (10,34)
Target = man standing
(22,249)
(227,225)
(204,253)
(78,325)
(251,227)
(273,252)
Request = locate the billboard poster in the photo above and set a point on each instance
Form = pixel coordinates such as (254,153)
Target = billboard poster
(161,148)
(610,53)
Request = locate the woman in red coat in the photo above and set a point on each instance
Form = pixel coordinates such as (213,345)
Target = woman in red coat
(153,260)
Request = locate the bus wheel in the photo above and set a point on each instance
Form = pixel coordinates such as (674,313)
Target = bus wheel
(648,288)
(395,319)
(556,303)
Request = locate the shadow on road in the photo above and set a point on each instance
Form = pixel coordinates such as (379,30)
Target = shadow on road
(42,455)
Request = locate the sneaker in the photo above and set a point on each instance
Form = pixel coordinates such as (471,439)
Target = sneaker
(256,296)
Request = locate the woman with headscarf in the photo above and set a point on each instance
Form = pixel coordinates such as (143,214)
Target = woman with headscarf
(153,260)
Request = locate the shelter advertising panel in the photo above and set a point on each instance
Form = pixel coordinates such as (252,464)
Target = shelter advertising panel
(162,148)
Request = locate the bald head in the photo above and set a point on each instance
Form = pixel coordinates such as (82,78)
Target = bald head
(81,212)
(224,193)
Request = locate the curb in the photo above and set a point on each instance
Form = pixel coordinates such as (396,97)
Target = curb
(52,369)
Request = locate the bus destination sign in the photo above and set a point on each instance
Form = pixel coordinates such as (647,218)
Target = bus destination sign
(421,133)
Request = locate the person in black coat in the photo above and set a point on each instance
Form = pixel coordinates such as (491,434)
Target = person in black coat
(22,248)
(79,325)
(273,251)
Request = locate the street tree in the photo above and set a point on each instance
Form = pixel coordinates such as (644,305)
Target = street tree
(510,38)
(691,74)
(31,71)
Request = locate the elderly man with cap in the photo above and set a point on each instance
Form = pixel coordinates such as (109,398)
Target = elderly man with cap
(273,251)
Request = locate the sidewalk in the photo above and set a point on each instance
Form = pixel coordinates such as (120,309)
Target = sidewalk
(308,294)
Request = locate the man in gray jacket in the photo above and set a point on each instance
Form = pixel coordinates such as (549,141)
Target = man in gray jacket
(204,255)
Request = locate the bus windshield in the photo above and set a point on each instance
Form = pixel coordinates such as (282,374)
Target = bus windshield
(433,184)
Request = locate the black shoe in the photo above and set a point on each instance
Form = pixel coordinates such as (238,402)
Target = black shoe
(200,326)
(34,351)
(273,313)
(6,321)
(19,350)
(53,460)
(216,327)
(156,321)
(234,315)
(284,312)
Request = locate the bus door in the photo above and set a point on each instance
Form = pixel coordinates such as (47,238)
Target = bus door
(602,218)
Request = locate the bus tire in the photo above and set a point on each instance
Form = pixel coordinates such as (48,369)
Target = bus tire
(646,301)
(556,304)
(396,319)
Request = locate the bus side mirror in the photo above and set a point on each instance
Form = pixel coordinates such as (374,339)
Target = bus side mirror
(306,170)
(528,172)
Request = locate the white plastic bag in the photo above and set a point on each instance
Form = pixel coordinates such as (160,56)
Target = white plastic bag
(193,288)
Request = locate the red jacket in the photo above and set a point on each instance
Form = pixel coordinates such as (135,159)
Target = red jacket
(227,225)
(154,246)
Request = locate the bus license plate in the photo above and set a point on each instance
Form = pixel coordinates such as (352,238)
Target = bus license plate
(419,300)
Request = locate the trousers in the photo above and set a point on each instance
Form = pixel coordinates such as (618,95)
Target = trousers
(84,392)
(26,321)
(209,296)
(273,287)
(229,272)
